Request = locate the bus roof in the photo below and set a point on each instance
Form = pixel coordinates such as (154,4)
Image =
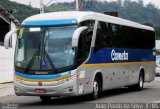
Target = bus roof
(69,17)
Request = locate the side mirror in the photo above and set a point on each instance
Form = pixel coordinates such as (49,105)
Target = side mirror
(76,35)
(7,38)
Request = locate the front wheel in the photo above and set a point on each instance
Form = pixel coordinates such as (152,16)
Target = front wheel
(96,89)
(45,98)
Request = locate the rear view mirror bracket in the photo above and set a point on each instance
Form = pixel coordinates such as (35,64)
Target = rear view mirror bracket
(7,38)
(76,35)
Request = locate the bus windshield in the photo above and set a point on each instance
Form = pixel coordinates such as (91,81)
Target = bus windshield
(45,48)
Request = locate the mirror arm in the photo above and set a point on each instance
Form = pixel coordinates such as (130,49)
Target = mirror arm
(7,37)
(76,35)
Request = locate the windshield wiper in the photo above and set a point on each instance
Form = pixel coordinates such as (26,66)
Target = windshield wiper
(29,65)
(31,62)
(50,61)
(48,57)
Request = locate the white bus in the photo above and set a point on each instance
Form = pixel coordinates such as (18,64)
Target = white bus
(76,53)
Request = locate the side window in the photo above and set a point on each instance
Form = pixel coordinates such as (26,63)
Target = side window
(103,36)
(116,41)
(131,37)
(148,38)
(84,45)
(120,36)
(89,23)
(85,39)
(123,36)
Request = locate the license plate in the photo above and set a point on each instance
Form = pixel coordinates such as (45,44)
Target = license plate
(40,90)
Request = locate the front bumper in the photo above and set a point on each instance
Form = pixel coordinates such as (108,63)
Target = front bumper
(66,87)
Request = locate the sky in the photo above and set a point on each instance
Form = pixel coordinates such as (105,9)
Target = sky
(35,3)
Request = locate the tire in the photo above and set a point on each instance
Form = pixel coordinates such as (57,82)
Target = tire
(140,84)
(45,98)
(96,89)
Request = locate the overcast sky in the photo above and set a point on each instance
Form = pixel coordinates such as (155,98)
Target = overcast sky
(36,3)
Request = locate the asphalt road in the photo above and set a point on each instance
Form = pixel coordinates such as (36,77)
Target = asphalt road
(150,94)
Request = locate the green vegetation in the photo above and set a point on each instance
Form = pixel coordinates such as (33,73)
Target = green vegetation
(22,11)
(131,10)
(61,7)
(157,30)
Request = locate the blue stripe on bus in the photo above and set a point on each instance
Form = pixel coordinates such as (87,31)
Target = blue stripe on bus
(134,55)
(53,76)
(49,22)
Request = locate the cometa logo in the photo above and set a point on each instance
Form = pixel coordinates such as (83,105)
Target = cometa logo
(117,56)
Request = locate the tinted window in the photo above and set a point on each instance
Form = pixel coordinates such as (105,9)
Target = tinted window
(88,23)
(103,35)
(84,46)
(85,39)
(119,36)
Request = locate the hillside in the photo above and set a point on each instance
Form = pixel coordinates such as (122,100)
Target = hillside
(61,7)
(131,10)
(22,11)
(135,11)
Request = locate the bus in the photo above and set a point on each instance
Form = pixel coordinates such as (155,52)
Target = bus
(73,53)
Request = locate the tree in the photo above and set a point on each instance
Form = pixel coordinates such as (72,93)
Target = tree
(157,31)
(119,2)
(140,2)
(149,24)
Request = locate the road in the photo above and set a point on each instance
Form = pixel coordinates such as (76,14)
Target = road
(150,94)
